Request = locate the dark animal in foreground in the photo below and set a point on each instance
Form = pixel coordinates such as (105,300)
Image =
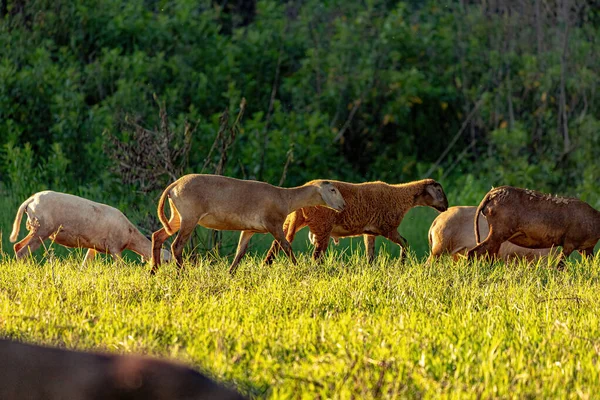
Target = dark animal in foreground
(30,372)
(372,209)
(452,233)
(222,203)
(536,220)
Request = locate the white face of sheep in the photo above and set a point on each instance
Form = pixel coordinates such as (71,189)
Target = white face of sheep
(331,196)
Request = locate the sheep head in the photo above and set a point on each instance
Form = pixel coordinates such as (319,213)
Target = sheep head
(433,196)
(330,195)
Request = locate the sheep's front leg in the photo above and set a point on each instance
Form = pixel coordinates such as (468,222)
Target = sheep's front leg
(241,250)
(293,223)
(90,255)
(369,247)
(279,236)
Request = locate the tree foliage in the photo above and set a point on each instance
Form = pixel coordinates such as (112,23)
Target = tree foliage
(500,92)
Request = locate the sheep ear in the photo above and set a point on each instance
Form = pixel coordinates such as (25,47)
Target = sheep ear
(430,190)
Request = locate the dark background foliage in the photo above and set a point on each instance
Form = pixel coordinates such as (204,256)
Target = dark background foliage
(472,93)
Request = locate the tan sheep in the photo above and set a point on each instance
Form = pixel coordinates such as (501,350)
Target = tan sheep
(536,220)
(223,203)
(372,209)
(452,233)
(73,221)
(35,372)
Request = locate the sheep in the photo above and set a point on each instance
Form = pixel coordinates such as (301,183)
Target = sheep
(536,220)
(73,221)
(223,203)
(39,372)
(372,209)
(452,232)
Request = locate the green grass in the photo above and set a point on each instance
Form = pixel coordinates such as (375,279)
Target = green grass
(342,329)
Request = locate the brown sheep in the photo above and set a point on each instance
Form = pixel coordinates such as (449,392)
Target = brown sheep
(372,209)
(219,202)
(31,372)
(452,233)
(536,220)
(73,221)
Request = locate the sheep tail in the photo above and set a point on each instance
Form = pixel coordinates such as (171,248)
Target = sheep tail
(17,224)
(161,209)
(477,213)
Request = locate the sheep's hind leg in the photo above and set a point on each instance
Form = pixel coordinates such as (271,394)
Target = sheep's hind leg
(30,243)
(158,238)
(491,245)
(321,243)
(369,247)
(241,250)
(395,237)
(564,254)
(185,231)
(90,255)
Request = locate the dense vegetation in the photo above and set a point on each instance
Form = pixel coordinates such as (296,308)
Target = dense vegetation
(340,330)
(474,94)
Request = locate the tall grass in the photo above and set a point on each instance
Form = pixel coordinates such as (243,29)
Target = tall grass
(342,329)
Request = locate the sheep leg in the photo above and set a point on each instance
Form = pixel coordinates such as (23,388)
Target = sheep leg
(90,255)
(241,250)
(283,243)
(369,247)
(491,244)
(185,231)
(587,253)
(395,237)
(158,238)
(321,243)
(567,250)
(30,243)
(18,246)
(293,223)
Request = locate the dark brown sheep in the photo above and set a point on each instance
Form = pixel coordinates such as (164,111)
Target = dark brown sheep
(452,233)
(30,372)
(372,209)
(536,220)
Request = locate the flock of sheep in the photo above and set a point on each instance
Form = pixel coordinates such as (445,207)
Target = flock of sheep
(520,222)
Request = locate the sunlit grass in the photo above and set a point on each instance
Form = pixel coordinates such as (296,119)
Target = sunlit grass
(336,330)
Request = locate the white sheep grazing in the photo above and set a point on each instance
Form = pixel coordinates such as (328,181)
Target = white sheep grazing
(73,221)
(452,233)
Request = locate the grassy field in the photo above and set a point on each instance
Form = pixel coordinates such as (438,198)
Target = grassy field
(343,329)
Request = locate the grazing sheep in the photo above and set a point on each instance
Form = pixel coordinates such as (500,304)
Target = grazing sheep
(76,222)
(372,209)
(536,220)
(31,372)
(452,233)
(223,203)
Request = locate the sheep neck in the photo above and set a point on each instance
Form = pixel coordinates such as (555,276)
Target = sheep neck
(410,193)
(140,244)
(302,196)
